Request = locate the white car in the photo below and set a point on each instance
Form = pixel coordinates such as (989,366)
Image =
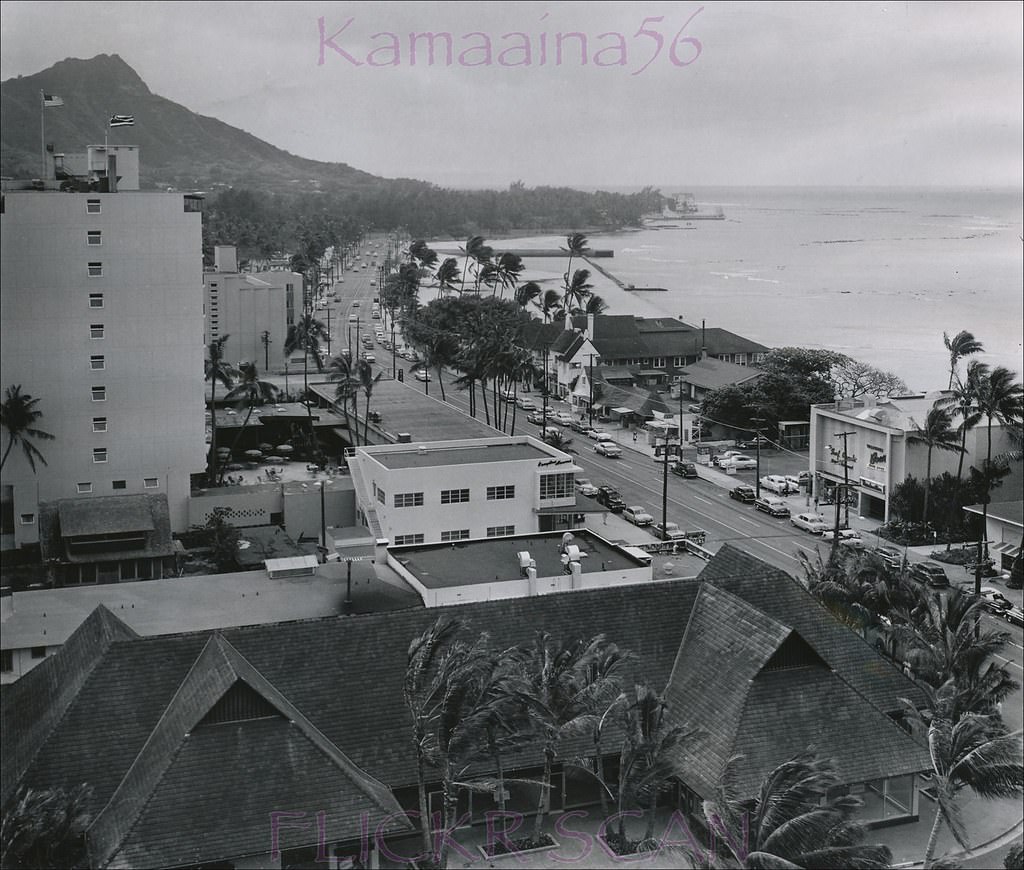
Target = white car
(719,458)
(778,484)
(585,487)
(608,448)
(369,357)
(672,531)
(595,434)
(813,523)
(421,375)
(738,462)
(844,535)
(353,318)
(637,516)
(526,404)
(562,418)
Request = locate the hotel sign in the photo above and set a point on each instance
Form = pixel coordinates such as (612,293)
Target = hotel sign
(873,485)
(877,457)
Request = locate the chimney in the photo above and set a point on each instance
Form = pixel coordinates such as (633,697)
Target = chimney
(576,571)
(590,326)
(568,322)
(225,258)
(112,173)
(703,342)
(531,581)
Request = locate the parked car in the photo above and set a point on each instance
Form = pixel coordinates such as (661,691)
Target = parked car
(1014,616)
(579,426)
(369,357)
(853,543)
(595,433)
(684,469)
(718,458)
(636,515)
(537,417)
(608,448)
(355,304)
(508,395)
(525,403)
(740,463)
(844,534)
(774,507)
(562,418)
(778,484)
(813,523)
(671,532)
(743,493)
(928,572)
(610,498)
(585,487)
(751,443)
(353,318)
(421,375)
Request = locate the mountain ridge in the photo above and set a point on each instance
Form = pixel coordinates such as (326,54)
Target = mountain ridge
(179,148)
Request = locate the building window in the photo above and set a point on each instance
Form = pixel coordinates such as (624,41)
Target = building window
(93,206)
(99,454)
(95,300)
(6,660)
(153,483)
(119,484)
(38,652)
(494,493)
(99,424)
(416,538)
(99,394)
(455,535)
(95,330)
(659,362)
(84,487)
(557,486)
(409,499)
(500,531)
(95,270)
(94,237)
(28,519)
(454,496)
(97,362)
(381,495)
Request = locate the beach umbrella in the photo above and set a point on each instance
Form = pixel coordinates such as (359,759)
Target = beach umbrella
(273,459)
(266,448)
(284,448)
(223,451)
(254,454)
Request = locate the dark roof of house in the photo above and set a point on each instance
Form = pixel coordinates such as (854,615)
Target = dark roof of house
(537,335)
(725,685)
(107,719)
(711,373)
(69,518)
(1005,511)
(637,399)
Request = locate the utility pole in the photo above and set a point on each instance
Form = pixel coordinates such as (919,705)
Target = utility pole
(666,448)
(590,379)
(846,477)
(757,447)
(545,391)
(265,338)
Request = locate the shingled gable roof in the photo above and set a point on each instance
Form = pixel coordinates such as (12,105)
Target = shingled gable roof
(755,688)
(775,593)
(710,373)
(166,754)
(31,711)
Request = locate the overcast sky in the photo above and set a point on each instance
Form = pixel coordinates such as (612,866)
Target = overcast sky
(771,93)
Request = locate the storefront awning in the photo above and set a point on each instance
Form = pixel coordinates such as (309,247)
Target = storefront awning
(1010,550)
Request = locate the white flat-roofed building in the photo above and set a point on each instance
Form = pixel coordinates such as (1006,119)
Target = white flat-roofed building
(102,323)
(447,491)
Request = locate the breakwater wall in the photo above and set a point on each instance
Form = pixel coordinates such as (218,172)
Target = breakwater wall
(527,253)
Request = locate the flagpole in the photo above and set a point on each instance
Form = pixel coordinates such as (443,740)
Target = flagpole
(42,131)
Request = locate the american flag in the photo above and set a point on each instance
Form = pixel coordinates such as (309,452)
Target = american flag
(52,101)
(122,120)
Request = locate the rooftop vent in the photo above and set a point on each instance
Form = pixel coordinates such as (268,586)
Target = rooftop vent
(404,438)
(526,562)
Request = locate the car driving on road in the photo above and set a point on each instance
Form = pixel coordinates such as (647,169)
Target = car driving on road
(774,507)
(928,572)
(585,487)
(610,498)
(684,469)
(743,493)
(608,448)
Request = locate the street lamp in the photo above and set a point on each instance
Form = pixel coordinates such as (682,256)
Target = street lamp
(265,338)
(667,447)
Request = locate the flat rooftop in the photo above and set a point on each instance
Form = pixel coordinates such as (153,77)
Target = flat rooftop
(464,563)
(457,455)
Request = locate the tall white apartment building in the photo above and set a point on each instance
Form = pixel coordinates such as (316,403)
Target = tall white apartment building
(101,304)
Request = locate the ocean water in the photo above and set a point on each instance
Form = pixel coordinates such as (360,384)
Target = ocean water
(878,274)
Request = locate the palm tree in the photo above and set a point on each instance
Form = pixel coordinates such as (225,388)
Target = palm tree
(577,290)
(306,334)
(446,275)
(965,753)
(367,381)
(419,686)
(567,691)
(796,819)
(1001,399)
(526,293)
(478,251)
(550,304)
(649,754)
(218,370)
(960,345)
(576,246)
(937,434)
(595,305)
(964,400)
(45,828)
(251,391)
(340,369)
(18,416)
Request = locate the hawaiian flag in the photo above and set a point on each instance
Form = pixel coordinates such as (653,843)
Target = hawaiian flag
(122,120)
(52,101)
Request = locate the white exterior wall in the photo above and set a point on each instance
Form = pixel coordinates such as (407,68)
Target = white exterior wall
(152,344)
